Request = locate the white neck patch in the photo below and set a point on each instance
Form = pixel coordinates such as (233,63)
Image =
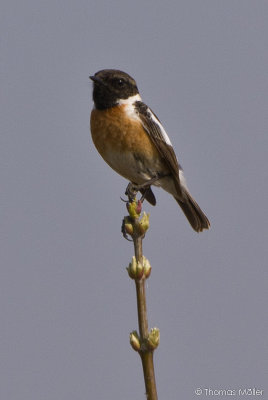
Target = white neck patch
(130,100)
(129,106)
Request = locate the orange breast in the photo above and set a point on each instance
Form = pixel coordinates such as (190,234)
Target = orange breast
(114,132)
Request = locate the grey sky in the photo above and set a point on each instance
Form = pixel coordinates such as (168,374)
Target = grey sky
(67,304)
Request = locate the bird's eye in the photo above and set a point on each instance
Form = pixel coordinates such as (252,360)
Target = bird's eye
(120,82)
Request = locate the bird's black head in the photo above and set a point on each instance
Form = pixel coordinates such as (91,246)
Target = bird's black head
(110,86)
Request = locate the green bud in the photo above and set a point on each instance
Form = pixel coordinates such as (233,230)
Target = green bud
(132,268)
(144,223)
(128,228)
(153,338)
(134,340)
(133,210)
(146,267)
(136,269)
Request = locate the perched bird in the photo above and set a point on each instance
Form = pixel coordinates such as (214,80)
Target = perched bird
(132,140)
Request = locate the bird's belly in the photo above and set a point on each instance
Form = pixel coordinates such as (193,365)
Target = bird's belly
(125,145)
(125,164)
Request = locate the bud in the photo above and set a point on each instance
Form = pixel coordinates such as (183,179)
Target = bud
(139,270)
(132,209)
(146,267)
(132,268)
(153,338)
(128,227)
(144,223)
(135,340)
(136,269)
(138,207)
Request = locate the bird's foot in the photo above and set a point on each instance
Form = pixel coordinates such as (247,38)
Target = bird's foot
(132,188)
(131,191)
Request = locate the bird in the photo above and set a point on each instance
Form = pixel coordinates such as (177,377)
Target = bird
(132,141)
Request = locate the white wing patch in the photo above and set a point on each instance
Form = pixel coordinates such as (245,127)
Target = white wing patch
(182,179)
(132,113)
(164,133)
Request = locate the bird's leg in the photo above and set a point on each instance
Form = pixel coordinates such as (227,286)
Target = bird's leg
(131,191)
(132,188)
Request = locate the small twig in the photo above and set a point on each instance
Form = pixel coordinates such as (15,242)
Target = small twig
(139,270)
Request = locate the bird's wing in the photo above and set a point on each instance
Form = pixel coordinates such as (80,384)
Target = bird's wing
(159,137)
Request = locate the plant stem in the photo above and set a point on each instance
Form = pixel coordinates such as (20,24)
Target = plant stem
(145,353)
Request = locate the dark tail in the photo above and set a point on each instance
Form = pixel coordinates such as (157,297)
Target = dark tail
(193,213)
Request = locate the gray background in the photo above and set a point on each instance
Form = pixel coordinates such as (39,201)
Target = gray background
(67,304)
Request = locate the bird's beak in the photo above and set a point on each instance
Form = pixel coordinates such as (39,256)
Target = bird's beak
(95,79)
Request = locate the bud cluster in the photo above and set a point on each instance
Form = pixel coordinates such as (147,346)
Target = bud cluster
(149,344)
(134,208)
(134,226)
(138,270)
